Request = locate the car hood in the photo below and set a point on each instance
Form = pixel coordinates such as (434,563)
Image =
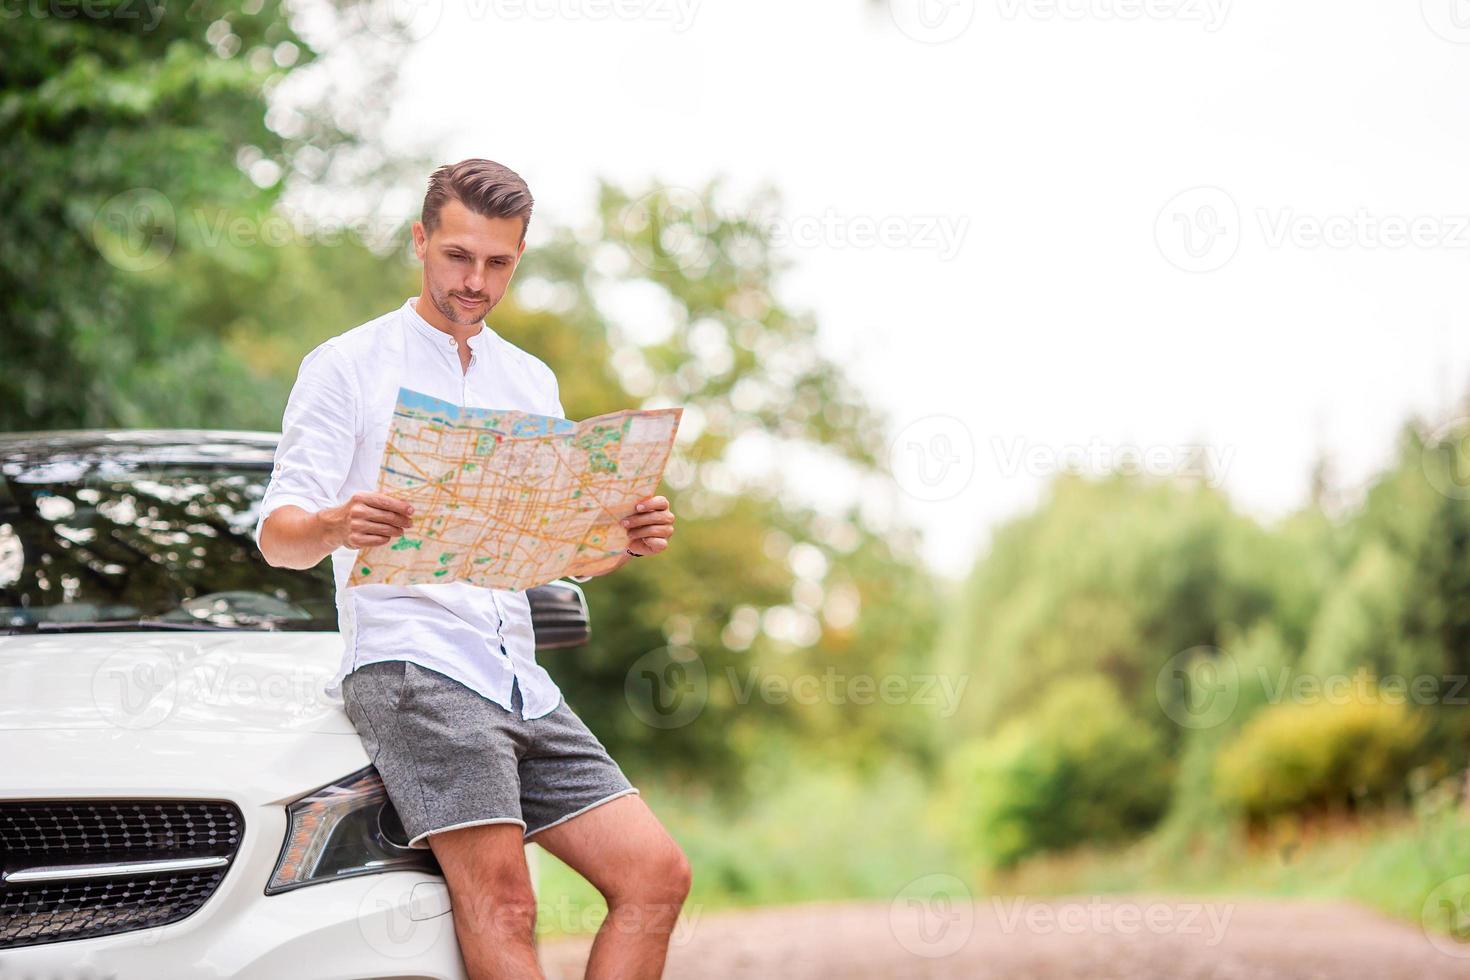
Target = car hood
(220,682)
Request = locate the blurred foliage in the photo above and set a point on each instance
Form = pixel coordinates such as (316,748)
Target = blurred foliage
(1323,756)
(1230,639)
(1226,638)
(144,147)
(1079,767)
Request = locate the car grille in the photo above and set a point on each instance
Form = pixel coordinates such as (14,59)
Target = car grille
(76,869)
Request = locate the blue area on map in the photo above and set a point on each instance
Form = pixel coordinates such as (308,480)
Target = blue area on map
(420,405)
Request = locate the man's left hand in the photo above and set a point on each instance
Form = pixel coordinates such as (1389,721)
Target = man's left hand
(650,526)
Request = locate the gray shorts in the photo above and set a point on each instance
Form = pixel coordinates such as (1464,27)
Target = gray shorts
(450,757)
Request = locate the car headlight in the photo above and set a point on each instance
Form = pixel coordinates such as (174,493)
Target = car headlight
(344,829)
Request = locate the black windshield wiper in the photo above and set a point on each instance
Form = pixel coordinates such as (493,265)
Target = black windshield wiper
(99,625)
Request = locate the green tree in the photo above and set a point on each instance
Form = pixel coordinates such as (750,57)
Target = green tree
(127,131)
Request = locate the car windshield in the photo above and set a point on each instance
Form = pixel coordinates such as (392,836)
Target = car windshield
(97,541)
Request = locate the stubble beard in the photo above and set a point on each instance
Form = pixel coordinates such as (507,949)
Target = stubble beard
(452,313)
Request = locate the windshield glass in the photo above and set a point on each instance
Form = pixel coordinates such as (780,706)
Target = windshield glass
(93,541)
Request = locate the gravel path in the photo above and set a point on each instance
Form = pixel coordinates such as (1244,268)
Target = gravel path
(1131,937)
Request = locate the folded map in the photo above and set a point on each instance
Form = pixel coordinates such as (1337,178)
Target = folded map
(508,499)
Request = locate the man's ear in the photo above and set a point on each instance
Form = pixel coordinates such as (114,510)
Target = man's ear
(420,240)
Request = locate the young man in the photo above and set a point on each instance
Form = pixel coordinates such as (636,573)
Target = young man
(477,749)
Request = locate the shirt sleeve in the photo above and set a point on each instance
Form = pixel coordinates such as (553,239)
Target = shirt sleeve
(554,406)
(318,437)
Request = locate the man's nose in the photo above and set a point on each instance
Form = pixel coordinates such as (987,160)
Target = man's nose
(474,281)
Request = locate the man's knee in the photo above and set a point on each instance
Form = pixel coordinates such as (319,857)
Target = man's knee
(662,877)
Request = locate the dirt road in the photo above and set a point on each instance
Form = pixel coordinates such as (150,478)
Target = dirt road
(1136,938)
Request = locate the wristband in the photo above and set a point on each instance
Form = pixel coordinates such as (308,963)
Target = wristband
(633,553)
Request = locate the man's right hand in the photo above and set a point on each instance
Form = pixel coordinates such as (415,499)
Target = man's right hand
(365,521)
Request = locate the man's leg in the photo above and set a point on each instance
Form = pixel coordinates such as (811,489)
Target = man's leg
(494,904)
(623,850)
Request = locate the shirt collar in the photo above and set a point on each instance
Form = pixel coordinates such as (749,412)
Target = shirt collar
(434,335)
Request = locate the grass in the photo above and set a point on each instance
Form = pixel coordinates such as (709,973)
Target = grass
(1412,866)
(820,834)
(810,833)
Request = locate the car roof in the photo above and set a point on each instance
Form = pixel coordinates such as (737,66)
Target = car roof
(229,446)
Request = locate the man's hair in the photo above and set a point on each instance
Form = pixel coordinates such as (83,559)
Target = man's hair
(485,187)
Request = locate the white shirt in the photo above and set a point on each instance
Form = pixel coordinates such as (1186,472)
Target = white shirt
(334,431)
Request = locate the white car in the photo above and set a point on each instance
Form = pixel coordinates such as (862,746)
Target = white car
(178,798)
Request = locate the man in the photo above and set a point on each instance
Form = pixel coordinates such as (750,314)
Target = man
(477,749)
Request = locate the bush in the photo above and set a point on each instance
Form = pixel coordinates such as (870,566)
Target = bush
(1078,769)
(1304,758)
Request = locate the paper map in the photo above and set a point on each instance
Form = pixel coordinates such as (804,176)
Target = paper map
(508,499)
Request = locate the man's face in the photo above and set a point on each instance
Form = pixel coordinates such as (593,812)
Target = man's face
(468,261)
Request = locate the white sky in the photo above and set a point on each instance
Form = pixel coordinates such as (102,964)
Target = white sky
(1050,138)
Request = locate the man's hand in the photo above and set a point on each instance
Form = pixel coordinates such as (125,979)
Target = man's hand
(650,526)
(367,520)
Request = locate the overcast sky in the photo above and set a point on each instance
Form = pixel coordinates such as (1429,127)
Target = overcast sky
(1035,229)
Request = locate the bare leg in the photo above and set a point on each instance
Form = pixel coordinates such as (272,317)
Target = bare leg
(494,904)
(623,850)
